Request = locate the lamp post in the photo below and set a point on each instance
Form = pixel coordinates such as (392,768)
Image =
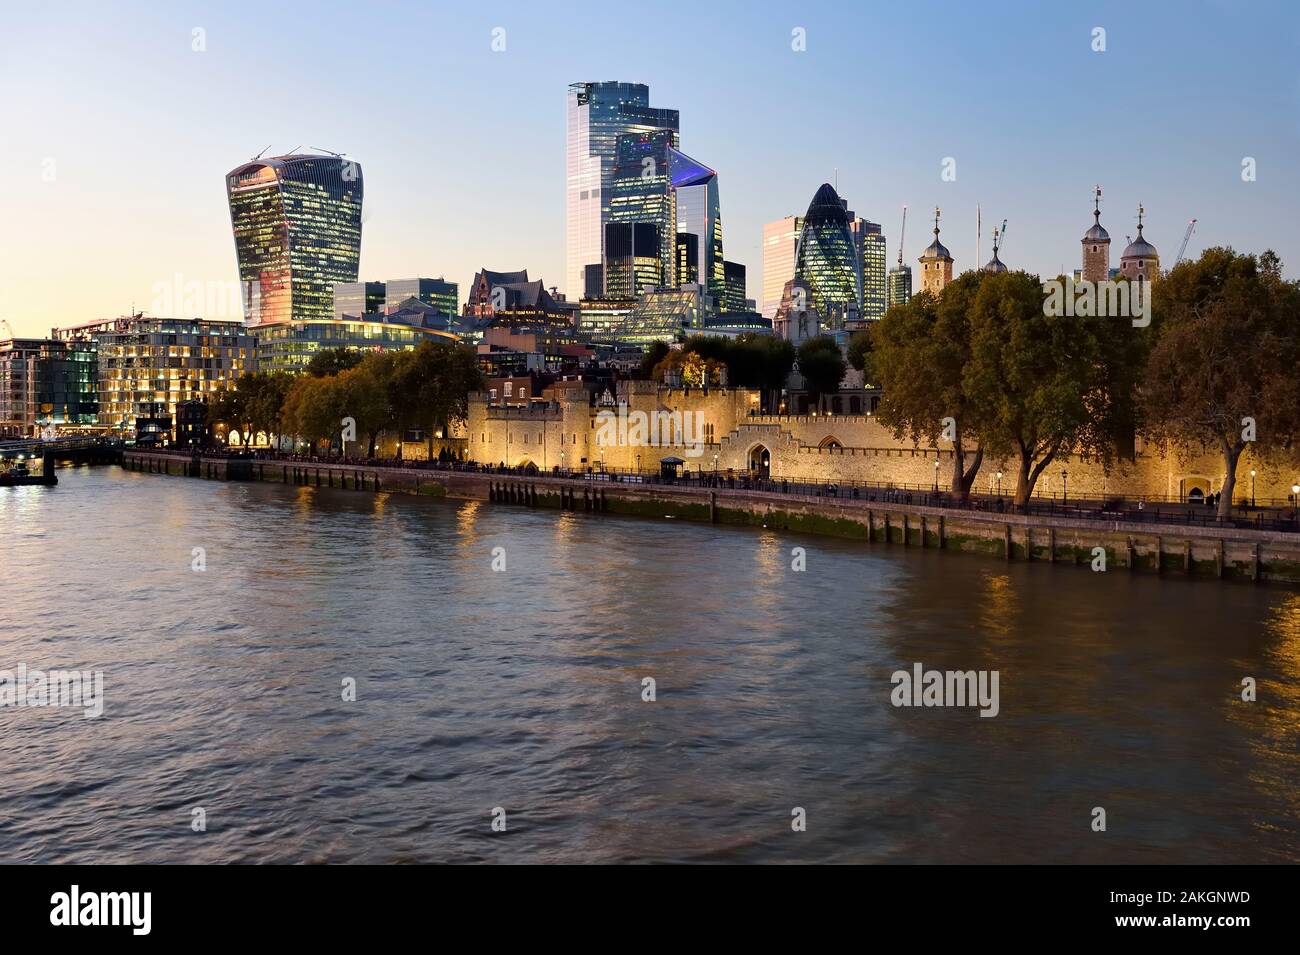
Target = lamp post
(1295,502)
(1065,477)
(999,484)
(936,474)
(1252,487)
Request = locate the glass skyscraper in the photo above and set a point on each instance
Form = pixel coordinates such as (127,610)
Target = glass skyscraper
(872,255)
(900,285)
(827,260)
(597,114)
(780,244)
(297,225)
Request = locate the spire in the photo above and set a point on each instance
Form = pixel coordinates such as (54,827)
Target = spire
(1140,212)
(1096,200)
(936,223)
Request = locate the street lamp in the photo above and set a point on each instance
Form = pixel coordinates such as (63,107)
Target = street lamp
(999,484)
(936,474)
(1252,487)
(1065,477)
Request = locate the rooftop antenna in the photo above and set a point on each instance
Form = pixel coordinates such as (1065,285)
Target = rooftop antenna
(292,151)
(330,151)
(261,154)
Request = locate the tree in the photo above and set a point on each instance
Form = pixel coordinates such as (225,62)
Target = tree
(822,367)
(332,361)
(1041,382)
(1221,373)
(364,398)
(234,406)
(653,355)
(860,348)
(268,400)
(314,409)
(920,351)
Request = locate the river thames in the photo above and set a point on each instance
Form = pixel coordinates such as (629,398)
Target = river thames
(522,689)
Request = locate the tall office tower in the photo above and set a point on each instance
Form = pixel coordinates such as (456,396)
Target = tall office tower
(297,225)
(596,115)
(1096,245)
(827,260)
(699,214)
(441,294)
(780,246)
(358,298)
(900,285)
(733,295)
(632,264)
(688,257)
(936,263)
(871,254)
(657,184)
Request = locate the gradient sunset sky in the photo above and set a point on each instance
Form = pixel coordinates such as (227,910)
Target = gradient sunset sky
(463,147)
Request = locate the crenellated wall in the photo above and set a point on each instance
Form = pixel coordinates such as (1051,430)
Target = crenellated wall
(729,435)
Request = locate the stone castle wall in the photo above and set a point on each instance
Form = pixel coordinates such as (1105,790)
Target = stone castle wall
(819,448)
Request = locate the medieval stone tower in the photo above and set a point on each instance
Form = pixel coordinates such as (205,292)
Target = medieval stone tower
(1096,245)
(936,263)
(1140,260)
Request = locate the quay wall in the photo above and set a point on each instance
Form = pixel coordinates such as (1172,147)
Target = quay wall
(1202,552)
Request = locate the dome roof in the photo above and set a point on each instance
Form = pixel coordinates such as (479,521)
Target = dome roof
(936,250)
(1096,234)
(1140,248)
(995,264)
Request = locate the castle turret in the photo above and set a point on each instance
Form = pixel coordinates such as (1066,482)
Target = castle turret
(995,264)
(1140,260)
(1096,245)
(936,263)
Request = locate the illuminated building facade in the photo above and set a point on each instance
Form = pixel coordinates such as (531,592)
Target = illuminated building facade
(872,255)
(148,366)
(632,258)
(441,294)
(297,226)
(666,315)
(290,346)
(45,383)
(357,298)
(827,260)
(900,285)
(780,246)
(596,115)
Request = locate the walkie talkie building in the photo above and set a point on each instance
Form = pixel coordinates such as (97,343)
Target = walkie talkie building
(297,225)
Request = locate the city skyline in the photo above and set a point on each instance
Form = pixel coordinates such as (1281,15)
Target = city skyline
(505,207)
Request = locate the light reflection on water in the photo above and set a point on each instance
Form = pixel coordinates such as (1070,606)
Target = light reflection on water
(522,689)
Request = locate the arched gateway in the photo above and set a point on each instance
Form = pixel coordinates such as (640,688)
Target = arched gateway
(760,461)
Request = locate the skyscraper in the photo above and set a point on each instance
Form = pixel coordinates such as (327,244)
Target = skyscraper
(871,254)
(358,298)
(597,114)
(297,225)
(827,260)
(780,245)
(656,184)
(900,285)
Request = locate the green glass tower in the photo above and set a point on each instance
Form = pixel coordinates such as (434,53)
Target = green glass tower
(827,261)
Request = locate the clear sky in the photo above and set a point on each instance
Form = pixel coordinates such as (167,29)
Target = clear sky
(115,134)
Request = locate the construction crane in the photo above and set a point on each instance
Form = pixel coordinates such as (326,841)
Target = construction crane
(1183,248)
(902,231)
(1002,236)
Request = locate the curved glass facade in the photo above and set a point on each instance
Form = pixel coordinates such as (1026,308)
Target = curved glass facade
(827,261)
(297,225)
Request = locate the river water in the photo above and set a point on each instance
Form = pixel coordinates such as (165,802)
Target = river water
(521,689)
